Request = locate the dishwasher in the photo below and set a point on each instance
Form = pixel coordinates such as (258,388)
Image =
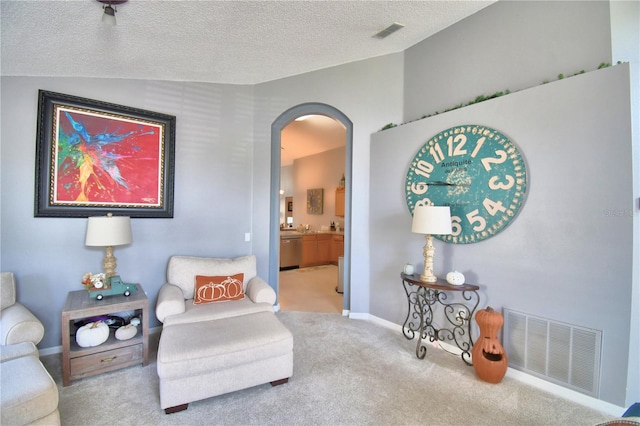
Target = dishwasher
(290,251)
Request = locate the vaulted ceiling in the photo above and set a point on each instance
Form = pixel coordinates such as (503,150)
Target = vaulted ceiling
(234,42)
(216,41)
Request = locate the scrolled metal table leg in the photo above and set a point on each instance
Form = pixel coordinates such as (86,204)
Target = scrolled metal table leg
(408,332)
(421,350)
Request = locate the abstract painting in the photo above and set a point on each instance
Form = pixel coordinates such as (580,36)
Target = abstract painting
(94,158)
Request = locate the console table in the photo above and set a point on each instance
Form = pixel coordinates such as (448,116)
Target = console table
(422,301)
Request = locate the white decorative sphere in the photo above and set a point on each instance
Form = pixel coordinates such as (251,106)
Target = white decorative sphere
(455,278)
(408,269)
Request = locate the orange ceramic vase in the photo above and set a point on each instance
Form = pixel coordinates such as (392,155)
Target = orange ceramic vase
(489,358)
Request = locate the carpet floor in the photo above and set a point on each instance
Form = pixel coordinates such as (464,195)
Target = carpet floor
(346,372)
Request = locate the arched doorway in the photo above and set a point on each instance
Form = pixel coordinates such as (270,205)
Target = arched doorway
(285,118)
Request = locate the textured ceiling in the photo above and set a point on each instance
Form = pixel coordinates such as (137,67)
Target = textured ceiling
(234,42)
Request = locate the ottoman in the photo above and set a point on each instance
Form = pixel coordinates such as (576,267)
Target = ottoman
(203,359)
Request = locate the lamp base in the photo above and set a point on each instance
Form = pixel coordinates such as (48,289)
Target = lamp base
(428,278)
(109,263)
(428,252)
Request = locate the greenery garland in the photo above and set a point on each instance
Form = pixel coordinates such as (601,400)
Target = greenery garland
(483,98)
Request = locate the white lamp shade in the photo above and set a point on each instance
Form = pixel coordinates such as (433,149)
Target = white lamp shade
(104,231)
(433,220)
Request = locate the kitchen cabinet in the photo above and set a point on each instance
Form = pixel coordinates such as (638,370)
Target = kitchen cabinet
(316,250)
(309,250)
(340,202)
(337,248)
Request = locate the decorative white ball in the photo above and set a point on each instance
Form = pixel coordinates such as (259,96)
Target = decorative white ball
(98,284)
(455,278)
(408,269)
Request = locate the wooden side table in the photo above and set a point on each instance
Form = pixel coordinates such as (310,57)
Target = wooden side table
(422,300)
(78,362)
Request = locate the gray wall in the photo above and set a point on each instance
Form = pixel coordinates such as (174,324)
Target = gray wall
(508,45)
(221,183)
(370,94)
(625,41)
(214,154)
(516,45)
(568,254)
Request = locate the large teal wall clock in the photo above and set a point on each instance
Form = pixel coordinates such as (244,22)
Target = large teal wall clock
(475,170)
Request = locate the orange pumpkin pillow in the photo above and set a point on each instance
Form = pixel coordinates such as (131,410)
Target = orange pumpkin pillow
(218,289)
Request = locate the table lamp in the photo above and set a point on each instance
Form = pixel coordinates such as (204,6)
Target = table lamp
(430,220)
(108,231)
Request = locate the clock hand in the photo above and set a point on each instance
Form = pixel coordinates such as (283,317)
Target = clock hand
(439,183)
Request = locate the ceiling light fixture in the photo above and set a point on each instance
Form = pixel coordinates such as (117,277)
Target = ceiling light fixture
(305,117)
(109,15)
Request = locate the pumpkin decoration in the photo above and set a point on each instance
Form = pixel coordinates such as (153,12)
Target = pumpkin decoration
(455,278)
(489,358)
(92,334)
(126,332)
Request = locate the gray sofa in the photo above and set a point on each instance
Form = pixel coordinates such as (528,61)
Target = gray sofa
(214,348)
(29,394)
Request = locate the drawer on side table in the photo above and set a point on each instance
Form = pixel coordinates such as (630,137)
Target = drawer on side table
(102,362)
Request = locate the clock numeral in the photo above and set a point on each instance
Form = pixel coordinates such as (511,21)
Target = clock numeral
(456,227)
(493,207)
(494,184)
(457,150)
(479,143)
(424,202)
(473,217)
(424,169)
(487,162)
(419,188)
(436,153)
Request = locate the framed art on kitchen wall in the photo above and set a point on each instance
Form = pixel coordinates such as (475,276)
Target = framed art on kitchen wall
(315,200)
(94,157)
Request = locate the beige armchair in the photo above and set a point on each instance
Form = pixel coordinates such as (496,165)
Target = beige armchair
(208,349)
(29,394)
(175,299)
(17,323)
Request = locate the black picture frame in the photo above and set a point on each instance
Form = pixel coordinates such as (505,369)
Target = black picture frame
(95,157)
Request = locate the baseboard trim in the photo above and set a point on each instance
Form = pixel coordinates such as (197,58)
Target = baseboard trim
(573,396)
(50,351)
